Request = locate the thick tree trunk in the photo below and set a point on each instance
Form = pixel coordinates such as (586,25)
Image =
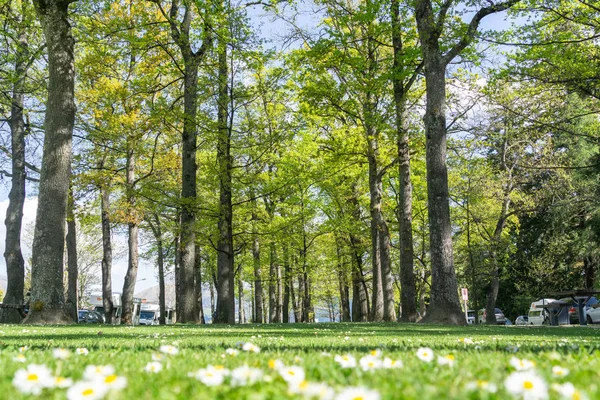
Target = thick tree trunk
(47,295)
(72,303)
(15,265)
(132,243)
(200,306)
(106,255)
(408,293)
(225,256)
(360,295)
(343,284)
(375,189)
(590,267)
(188,310)
(445,305)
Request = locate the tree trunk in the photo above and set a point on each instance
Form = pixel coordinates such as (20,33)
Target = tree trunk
(225,256)
(241,311)
(287,284)
(589,271)
(408,291)
(106,255)
(15,265)
(494,286)
(272,284)
(177,268)
(387,278)
(258,291)
(343,284)
(200,306)
(132,243)
(72,303)
(360,295)
(156,228)
(376,314)
(47,295)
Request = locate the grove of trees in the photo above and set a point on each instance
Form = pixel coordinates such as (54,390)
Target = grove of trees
(338,159)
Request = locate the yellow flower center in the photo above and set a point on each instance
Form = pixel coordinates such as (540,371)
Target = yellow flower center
(291,373)
(577,395)
(528,385)
(110,379)
(32,377)
(271,364)
(87,392)
(358,398)
(450,357)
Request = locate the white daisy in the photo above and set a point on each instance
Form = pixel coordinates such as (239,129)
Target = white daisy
(22,349)
(89,390)
(232,352)
(250,347)
(153,367)
(33,379)
(346,361)
(19,358)
(312,390)
(61,354)
(92,372)
(559,372)
(245,375)
(526,384)
(521,365)
(157,357)
(357,393)
(62,382)
(482,385)
(82,351)
(375,353)
(568,391)
(276,364)
(292,375)
(113,381)
(425,354)
(168,349)
(466,340)
(211,376)
(446,360)
(370,363)
(389,363)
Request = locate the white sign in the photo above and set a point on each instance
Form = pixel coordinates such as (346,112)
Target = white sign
(465,294)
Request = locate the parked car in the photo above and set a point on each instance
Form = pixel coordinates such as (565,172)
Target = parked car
(93,317)
(500,318)
(574,312)
(471,315)
(81,315)
(522,320)
(539,315)
(593,314)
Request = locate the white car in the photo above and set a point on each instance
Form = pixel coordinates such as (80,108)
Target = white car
(593,314)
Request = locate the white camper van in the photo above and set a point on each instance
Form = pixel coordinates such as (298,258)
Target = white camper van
(96,301)
(150,314)
(538,315)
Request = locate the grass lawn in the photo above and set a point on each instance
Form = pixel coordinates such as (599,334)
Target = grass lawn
(481,361)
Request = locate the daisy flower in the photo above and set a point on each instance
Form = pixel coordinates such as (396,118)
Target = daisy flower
(62,382)
(345,361)
(245,375)
(312,390)
(157,357)
(113,381)
(482,385)
(357,393)
(292,375)
(82,351)
(92,372)
(425,354)
(250,347)
(375,353)
(22,349)
(370,363)
(153,367)
(559,372)
(210,376)
(61,354)
(526,384)
(389,363)
(446,360)
(232,352)
(89,390)
(521,365)
(466,340)
(568,391)
(168,349)
(19,358)
(276,364)
(33,379)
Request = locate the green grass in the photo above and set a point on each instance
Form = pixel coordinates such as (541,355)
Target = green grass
(130,349)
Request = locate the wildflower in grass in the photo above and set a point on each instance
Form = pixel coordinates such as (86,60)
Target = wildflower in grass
(370,363)
(168,349)
(113,381)
(33,379)
(292,375)
(157,357)
(559,372)
(211,376)
(22,349)
(19,358)
(466,340)
(89,390)
(61,354)
(244,375)
(92,372)
(527,385)
(388,363)
(425,354)
(62,382)
(346,361)
(276,364)
(375,353)
(312,390)
(250,347)
(521,365)
(446,360)
(482,385)
(325,354)
(298,360)
(568,391)
(82,351)
(232,352)
(153,367)
(357,393)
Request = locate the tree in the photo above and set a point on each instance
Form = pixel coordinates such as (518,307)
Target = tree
(47,296)
(431,24)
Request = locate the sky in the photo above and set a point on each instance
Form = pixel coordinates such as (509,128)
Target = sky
(146,273)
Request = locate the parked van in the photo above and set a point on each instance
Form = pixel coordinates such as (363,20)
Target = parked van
(96,300)
(538,315)
(150,314)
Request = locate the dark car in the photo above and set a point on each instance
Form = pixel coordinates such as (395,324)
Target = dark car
(93,317)
(81,315)
(572,308)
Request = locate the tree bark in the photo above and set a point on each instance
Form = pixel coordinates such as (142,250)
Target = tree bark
(241,311)
(47,295)
(343,283)
(156,228)
(72,303)
(15,265)
(258,291)
(200,306)
(106,255)
(132,242)
(272,284)
(287,285)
